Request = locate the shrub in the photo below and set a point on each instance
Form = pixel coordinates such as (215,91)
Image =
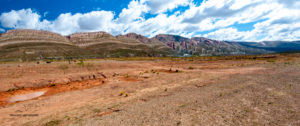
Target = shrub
(271,61)
(183,106)
(126,95)
(81,63)
(53,123)
(191,67)
(121,93)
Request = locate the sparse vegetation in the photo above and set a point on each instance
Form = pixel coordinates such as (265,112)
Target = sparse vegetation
(182,106)
(53,123)
(271,61)
(96,110)
(121,93)
(81,63)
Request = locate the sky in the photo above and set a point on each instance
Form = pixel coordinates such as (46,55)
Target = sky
(228,20)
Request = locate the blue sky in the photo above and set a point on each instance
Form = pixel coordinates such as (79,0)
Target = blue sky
(233,20)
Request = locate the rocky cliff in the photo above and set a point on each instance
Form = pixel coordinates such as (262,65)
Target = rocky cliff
(201,45)
(19,36)
(140,38)
(134,37)
(91,38)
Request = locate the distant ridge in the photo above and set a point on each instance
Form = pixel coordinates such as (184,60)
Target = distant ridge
(19,44)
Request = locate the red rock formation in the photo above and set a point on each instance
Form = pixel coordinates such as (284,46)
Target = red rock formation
(171,44)
(218,42)
(183,44)
(208,42)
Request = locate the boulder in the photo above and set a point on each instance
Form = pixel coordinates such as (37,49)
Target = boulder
(97,76)
(75,79)
(62,81)
(42,83)
(85,77)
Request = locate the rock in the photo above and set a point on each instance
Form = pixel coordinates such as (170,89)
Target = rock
(75,79)
(102,75)
(91,77)
(42,83)
(19,65)
(89,38)
(97,76)
(62,81)
(85,77)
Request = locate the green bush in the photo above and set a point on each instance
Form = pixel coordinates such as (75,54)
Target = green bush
(271,61)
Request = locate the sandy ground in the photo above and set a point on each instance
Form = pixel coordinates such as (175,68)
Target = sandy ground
(227,92)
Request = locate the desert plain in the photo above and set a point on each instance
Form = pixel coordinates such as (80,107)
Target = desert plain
(233,90)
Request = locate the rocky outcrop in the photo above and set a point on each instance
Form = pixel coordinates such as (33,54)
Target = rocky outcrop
(135,36)
(172,45)
(170,38)
(90,38)
(183,44)
(140,38)
(18,36)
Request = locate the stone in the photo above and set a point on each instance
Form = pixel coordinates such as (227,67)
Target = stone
(75,79)
(62,81)
(85,77)
(97,76)
(42,83)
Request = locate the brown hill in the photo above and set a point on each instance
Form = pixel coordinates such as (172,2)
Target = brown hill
(31,36)
(204,46)
(106,45)
(152,42)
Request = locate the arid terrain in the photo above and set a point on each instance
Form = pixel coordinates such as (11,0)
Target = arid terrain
(152,91)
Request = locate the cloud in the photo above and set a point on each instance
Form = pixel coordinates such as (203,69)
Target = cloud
(229,34)
(134,11)
(20,19)
(93,21)
(272,19)
(2,30)
(45,14)
(160,6)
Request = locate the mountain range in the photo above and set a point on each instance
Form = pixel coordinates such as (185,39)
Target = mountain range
(28,44)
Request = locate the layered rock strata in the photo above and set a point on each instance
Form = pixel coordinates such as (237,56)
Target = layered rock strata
(20,36)
(91,38)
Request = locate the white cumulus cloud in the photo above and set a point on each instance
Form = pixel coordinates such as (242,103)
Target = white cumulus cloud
(273,19)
